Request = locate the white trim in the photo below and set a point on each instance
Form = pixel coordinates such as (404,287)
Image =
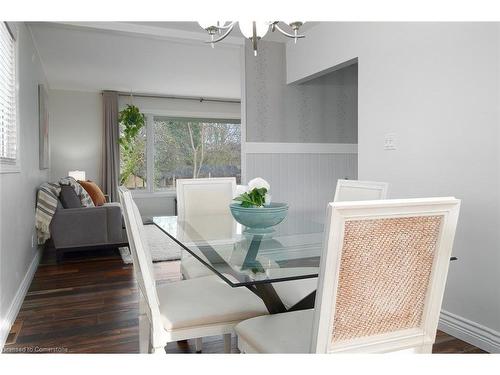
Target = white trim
(10,168)
(243,118)
(17,302)
(150,152)
(464,329)
(175,35)
(300,148)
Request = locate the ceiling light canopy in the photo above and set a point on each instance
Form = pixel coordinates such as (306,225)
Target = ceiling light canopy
(254,30)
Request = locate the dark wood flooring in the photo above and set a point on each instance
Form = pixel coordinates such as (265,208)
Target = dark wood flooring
(89,304)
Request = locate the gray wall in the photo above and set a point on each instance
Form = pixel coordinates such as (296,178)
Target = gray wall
(436,86)
(17,190)
(321,110)
(76,133)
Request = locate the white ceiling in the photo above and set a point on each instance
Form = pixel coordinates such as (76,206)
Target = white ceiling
(151,57)
(141,58)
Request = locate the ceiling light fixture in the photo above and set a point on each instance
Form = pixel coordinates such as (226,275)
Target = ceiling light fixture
(254,30)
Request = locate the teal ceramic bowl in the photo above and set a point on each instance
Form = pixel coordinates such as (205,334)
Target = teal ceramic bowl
(259,217)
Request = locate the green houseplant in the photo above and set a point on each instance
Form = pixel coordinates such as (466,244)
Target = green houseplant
(131,122)
(257,194)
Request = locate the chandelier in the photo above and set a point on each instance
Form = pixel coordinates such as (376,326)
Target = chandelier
(254,30)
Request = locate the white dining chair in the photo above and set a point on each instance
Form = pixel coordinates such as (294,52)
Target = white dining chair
(202,198)
(355,190)
(381,283)
(186,309)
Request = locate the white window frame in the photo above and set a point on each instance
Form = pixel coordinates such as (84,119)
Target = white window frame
(150,115)
(14,166)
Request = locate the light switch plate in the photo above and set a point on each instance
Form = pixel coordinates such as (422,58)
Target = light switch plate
(390,141)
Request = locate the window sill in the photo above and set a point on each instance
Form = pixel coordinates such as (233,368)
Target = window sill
(154,194)
(10,168)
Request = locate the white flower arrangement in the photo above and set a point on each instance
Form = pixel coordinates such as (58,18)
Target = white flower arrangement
(258,183)
(257,194)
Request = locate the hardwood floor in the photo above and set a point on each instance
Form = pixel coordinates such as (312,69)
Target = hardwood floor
(89,304)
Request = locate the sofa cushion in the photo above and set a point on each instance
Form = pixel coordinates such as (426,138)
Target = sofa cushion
(94,191)
(68,197)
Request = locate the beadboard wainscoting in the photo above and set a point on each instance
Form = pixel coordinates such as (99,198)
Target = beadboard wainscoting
(304,176)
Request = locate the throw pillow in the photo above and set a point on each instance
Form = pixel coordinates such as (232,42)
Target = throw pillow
(68,197)
(94,191)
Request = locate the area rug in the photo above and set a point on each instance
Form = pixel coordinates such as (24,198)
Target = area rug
(162,247)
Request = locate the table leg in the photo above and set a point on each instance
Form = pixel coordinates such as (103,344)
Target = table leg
(270,298)
(305,303)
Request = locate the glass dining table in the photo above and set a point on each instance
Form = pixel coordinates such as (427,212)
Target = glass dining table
(255,260)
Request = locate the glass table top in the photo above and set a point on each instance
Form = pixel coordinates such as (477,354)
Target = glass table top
(242,258)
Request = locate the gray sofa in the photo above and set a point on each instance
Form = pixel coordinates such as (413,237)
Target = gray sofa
(77,228)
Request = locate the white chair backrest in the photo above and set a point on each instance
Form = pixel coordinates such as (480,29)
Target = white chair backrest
(141,255)
(354,190)
(204,196)
(382,274)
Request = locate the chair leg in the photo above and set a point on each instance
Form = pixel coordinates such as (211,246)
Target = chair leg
(144,334)
(159,350)
(227,343)
(198,344)
(145,344)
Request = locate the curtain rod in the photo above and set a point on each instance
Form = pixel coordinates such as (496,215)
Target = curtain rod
(197,98)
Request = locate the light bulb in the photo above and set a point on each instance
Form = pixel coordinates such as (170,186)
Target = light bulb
(261,28)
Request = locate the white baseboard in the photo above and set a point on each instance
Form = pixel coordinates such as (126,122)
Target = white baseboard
(476,334)
(16,304)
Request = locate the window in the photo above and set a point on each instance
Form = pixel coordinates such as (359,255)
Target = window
(133,161)
(181,148)
(8,123)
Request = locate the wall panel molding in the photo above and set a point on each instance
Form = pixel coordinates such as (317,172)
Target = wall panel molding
(300,148)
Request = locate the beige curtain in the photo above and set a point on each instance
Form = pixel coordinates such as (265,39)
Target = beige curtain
(111,151)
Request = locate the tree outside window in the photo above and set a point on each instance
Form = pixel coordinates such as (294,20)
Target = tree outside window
(183,148)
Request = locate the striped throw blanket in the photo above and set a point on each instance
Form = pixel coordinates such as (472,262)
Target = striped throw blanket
(46,204)
(79,190)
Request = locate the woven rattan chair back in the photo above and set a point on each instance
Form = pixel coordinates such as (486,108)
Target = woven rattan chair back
(390,260)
